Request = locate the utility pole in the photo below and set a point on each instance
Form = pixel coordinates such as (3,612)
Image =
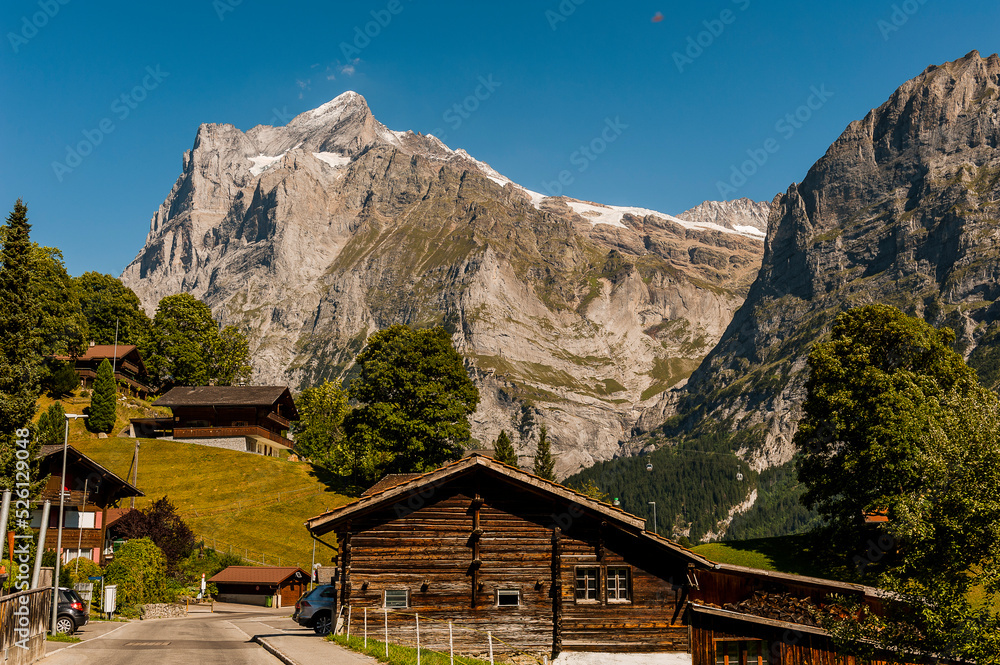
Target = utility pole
(135,472)
(62,503)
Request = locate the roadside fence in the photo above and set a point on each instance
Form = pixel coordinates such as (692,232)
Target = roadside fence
(24,620)
(247,554)
(410,629)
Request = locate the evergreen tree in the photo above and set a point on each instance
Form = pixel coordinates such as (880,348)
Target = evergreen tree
(20,354)
(503,450)
(51,425)
(545,464)
(20,343)
(61,379)
(101,416)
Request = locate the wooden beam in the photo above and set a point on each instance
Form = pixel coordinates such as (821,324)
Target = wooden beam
(556,592)
(345,562)
(477,503)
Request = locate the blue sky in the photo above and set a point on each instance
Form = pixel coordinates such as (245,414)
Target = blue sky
(693,90)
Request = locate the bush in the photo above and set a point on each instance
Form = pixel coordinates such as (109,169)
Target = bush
(61,380)
(80,569)
(140,571)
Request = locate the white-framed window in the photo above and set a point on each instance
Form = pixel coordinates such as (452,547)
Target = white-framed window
(735,652)
(587,581)
(508,598)
(619,583)
(398,599)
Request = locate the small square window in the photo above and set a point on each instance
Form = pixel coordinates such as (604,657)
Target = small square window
(397,599)
(586,584)
(508,598)
(618,585)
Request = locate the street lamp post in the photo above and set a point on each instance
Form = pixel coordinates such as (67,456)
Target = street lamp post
(62,501)
(655,530)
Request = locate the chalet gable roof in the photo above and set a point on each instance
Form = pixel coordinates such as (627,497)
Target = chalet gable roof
(258,574)
(120,488)
(227,396)
(407,486)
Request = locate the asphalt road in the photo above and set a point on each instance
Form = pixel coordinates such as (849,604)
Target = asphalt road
(205,638)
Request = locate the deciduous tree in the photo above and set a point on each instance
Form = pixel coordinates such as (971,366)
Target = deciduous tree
(415,397)
(104,300)
(320,430)
(161,524)
(895,422)
(231,358)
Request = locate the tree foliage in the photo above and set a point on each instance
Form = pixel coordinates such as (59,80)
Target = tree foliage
(20,342)
(231,358)
(545,464)
(102,413)
(51,425)
(140,571)
(61,325)
(104,300)
(160,523)
(896,422)
(320,430)
(185,346)
(60,378)
(415,399)
(503,450)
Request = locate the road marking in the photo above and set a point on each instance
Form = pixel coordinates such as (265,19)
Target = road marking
(147,644)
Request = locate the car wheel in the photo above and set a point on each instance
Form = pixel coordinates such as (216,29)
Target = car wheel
(65,625)
(323,624)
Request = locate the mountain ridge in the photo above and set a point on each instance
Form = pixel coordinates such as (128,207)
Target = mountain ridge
(313,235)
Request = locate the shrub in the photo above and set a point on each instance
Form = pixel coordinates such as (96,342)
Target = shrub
(80,569)
(140,571)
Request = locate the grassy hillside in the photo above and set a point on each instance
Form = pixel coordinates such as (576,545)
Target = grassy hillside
(251,504)
(800,555)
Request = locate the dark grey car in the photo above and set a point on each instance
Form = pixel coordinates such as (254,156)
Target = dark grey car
(315,609)
(71,613)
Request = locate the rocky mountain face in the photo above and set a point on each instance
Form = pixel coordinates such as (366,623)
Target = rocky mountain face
(741,215)
(314,235)
(903,209)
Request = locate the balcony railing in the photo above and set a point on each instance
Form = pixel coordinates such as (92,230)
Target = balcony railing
(224,432)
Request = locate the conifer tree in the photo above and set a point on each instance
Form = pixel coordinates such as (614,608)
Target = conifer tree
(101,417)
(50,425)
(544,462)
(503,450)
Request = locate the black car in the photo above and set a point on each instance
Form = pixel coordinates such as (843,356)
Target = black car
(71,612)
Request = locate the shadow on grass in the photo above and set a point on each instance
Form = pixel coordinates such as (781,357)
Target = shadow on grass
(334,482)
(802,554)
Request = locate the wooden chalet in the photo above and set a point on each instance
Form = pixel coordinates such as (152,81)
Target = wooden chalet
(126,363)
(90,492)
(272,586)
(250,418)
(548,570)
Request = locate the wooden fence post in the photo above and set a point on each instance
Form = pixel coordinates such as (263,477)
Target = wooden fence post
(489,634)
(418,639)
(451,646)
(386,613)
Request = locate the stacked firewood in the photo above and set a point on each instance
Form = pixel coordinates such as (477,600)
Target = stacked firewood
(778,606)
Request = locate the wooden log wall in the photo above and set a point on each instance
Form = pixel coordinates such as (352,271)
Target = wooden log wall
(454,547)
(784,646)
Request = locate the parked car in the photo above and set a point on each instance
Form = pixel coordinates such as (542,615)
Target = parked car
(315,609)
(71,613)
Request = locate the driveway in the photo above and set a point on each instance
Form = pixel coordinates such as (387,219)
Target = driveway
(229,635)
